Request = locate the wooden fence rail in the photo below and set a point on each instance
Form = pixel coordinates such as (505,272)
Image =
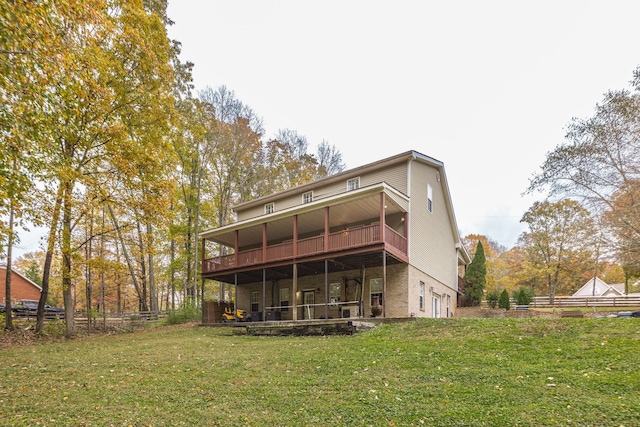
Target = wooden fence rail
(564,301)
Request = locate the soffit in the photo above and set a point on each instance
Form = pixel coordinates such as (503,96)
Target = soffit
(343,211)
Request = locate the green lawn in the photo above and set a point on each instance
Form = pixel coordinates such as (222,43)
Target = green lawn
(449,372)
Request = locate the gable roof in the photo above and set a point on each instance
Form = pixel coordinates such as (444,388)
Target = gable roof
(341,176)
(597,287)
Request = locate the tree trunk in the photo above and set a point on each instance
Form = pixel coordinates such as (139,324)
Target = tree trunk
(143,271)
(104,307)
(134,278)
(153,298)
(117,280)
(89,289)
(173,275)
(8,316)
(46,272)
(188,243)
(66,260)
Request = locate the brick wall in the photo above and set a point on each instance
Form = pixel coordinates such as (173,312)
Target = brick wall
(21,288)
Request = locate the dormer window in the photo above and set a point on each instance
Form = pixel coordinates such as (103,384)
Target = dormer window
(353,184)
(269,208)
(307,197)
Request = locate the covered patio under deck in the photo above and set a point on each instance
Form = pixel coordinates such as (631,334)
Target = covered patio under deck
(349,271)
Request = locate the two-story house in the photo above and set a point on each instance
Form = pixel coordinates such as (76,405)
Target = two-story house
(379,236)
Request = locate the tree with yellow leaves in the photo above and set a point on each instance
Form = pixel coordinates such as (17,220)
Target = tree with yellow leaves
(559,244)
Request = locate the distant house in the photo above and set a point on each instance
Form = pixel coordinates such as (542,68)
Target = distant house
(382,236)
(598,288)
(21,287)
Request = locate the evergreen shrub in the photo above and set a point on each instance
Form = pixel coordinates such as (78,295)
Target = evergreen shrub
(523,296)
(504,302)
(492,298)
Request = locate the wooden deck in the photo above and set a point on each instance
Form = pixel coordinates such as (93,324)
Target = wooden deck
(358,237)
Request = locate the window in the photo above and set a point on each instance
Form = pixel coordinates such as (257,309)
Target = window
(448,305)
(421,296)
(376,290)
(284,299)
(307,197)
(429,198)
(269,208)
(255,302)
(353,184)
(334,293)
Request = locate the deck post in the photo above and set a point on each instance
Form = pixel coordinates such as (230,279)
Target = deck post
(295,292)
(264,294)
(383,227)
(326,289)
(295,236)
(264,242)
(203,257)
(384,283)
(326,229)
(236,244)
(235,296)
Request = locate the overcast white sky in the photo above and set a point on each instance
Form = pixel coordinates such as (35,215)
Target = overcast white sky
(487,87)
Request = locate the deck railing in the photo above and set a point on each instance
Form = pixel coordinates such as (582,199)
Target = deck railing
(354,237)
(310,246)
(395,239)
(337,241)
(280,251)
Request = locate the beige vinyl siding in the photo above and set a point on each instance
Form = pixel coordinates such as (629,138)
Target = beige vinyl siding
(254,211)
(394,175)
(431,241)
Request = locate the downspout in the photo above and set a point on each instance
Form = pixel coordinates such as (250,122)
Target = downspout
(383,229)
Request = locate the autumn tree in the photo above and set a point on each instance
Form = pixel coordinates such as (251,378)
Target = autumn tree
(329,160)
(597,164)
(25,40)
(623,223)
(219,148)
(475,277)
(287,162)
(100,68)
(559,244)
(235,150)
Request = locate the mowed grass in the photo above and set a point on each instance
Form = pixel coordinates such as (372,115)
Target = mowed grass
(435,372)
